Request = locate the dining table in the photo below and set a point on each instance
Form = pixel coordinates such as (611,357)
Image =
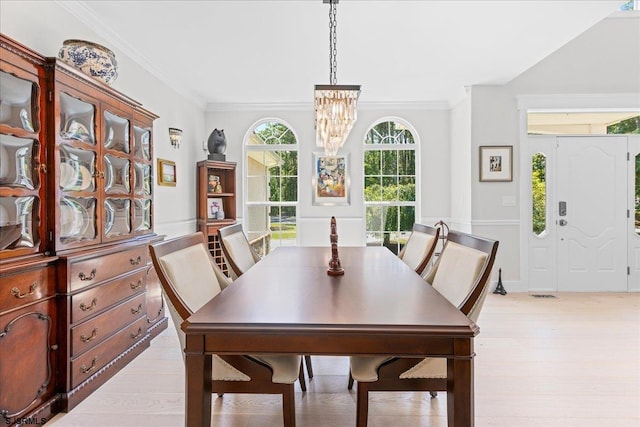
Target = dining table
(288,304)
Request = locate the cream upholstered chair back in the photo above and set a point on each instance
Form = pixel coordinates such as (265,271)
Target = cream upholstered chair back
(462,271)
(420,247)
(237,251)
(461,274)
(188,275)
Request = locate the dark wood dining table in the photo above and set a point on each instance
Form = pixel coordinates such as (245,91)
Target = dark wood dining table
(288,304)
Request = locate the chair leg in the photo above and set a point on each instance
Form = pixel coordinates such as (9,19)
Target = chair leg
(289,407)
(350,385)
(303,383)
(362,405)
(307,361)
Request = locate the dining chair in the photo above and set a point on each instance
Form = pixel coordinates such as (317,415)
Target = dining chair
(240,256)
(190,278)
(420,247)
(461,274)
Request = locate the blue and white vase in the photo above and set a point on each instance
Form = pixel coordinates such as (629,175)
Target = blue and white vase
(90,58)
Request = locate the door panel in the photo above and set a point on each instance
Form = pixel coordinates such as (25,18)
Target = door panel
(591,235)
(634,214)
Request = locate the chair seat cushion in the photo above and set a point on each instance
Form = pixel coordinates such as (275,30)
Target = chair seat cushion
(365,368)
(285,368)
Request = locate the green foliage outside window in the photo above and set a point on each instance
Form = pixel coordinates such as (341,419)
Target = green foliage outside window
(539,192)
(628,126)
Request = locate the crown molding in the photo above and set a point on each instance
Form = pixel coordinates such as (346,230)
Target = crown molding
(308,106)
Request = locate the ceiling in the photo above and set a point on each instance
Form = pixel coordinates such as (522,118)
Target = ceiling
(274,52)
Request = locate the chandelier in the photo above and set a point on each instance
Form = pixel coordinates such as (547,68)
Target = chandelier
(335,105)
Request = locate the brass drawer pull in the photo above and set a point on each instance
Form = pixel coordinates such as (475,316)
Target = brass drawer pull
(136,335)
(135,286)
(16,292)
(94,303)
(86,370)
(136,310)
(84,277)
(93,336)
(135,261)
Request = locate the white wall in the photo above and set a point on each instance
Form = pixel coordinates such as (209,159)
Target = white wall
(44,25)
(460,170)
(432,128)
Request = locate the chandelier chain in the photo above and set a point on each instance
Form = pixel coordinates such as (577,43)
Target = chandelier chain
(333,42)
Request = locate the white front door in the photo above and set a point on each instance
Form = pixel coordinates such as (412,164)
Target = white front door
(591,213)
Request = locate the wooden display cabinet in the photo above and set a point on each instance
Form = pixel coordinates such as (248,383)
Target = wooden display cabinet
(78,295)
(216,191)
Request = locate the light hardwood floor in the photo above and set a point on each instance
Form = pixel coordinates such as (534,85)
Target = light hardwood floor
(568,361)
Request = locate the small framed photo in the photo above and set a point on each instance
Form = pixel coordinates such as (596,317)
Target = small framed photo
(166,172)
(214,184)
(496,163)
(330,180)
(215,209)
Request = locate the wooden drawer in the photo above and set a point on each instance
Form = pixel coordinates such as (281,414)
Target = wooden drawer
(101,268)
(93,300)
(96,330)
(25,287)
(92,361)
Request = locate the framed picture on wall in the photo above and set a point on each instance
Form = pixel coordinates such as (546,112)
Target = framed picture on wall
(496,163)
(331,184)
(166,172)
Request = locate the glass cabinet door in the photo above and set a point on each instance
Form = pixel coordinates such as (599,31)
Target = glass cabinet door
(18,103)
(142,178)
(77,174)
(118,179)
(21,189)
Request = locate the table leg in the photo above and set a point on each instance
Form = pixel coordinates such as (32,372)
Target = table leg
(198,390)
(460,397)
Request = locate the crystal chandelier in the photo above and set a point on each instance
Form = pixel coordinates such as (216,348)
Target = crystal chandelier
(335,105)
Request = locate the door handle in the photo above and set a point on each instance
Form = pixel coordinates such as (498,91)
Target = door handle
(562,222)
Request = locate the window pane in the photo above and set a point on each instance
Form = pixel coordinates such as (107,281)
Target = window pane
(372,189)
(407,189)
(407,218)
(257,188)
(289,163)
(257,222)
(374,218)
(390,188)
(272,133)
(406,162)
(389,162)
(288,189)
(274,189)
(372,162)
(390,216)
(539,192)
(283,226)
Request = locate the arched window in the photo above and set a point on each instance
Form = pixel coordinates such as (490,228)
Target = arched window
(390,196)
(271,190)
